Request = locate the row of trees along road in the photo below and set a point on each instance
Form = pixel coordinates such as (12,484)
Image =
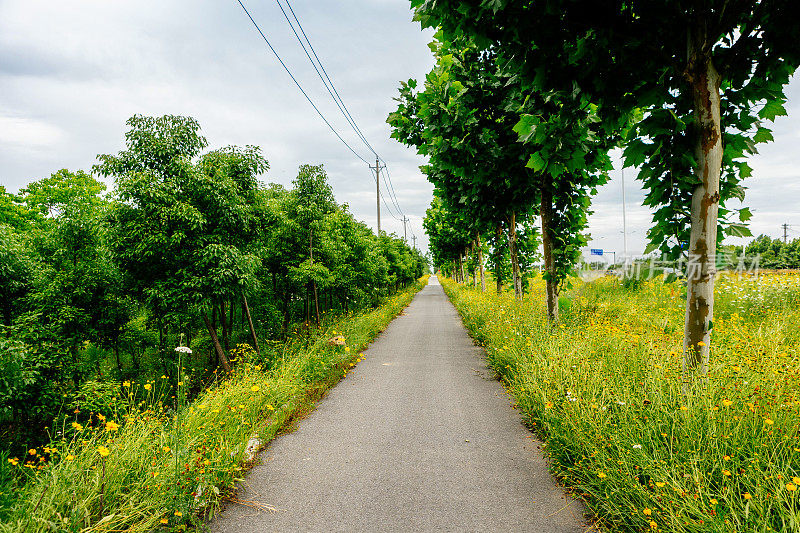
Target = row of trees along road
(97,288)
(682,86)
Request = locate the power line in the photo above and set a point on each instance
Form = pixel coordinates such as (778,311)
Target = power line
(298,84)
(383,199)
(337,98)
(391,187)
(319,74)
(331,88)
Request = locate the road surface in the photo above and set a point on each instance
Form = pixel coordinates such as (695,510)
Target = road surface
(418,437)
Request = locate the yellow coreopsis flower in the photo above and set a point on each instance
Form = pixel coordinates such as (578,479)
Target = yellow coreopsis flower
(111,426)
(103,451)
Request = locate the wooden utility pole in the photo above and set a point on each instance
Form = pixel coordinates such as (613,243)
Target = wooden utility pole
(785,229)
(414,240)
(405,233)
(378,190)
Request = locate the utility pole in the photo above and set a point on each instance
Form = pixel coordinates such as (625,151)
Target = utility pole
(378,190)
(405,233)
(414,240)
(624,222)
(785,229)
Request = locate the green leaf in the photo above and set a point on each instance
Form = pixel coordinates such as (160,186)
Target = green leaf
(738,230)
(526,127)
(763,135)
(745,214)
(536,162)
(772,109)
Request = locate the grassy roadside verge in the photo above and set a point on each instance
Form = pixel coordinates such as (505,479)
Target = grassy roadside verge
(153,467)
(603,391)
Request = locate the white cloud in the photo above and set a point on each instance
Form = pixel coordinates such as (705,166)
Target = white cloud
(26,132)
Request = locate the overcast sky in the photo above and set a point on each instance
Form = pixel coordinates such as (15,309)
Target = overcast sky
(71,73)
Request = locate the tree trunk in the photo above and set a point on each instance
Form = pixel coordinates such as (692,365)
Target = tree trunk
(461,266)
(480,262)
(474,270)
(546,211)
(161,349)
(701,268)
(222,320)
(223,361)
(231,318)
(498,274)
(313,283)
(307,306)
(250,322)
(214,314)
(512,247)
(316,302)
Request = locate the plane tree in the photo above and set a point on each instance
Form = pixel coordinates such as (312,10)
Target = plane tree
(703,73)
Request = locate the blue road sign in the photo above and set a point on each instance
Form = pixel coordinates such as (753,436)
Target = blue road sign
(597,251)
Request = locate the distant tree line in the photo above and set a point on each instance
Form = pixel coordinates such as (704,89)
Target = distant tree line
(771,253)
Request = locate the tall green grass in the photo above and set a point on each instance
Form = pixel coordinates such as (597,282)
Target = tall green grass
(603,390)
(160,468)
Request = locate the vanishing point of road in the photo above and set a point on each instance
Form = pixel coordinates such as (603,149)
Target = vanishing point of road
(418,437)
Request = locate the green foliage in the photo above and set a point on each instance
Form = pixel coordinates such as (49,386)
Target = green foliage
(175,466)
(104,397)
(63,190)
(771,253)
(603,392)
(98,290)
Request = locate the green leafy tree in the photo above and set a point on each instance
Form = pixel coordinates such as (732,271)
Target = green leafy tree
(697,69)
(179,229)
(13,212)
(16,272)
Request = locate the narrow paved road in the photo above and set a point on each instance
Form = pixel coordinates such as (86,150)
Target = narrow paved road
(418,437)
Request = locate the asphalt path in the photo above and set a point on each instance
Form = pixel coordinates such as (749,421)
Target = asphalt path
(418,437)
